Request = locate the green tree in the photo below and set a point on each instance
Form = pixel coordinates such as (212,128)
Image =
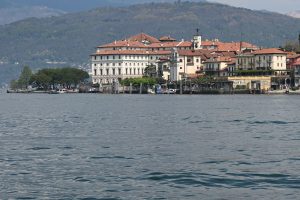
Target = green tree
(24,78)
(14,84)
(138,81)
(292,46)
(42,80)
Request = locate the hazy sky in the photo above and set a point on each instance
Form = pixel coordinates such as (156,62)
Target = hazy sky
(282,6)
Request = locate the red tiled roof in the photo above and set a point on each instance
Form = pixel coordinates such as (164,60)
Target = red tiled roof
(170,44)
(234,46)
(142,37)
(124,43)
(210,43)
(292,55)
(296,63)
(193,52)
(167,38)
(220,59)
(227,46)
(131,52)
(269,51)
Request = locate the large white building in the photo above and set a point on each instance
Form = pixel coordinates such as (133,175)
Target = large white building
(128,58)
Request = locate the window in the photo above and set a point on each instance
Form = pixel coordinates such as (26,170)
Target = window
(130,71)
(180,67)
(114,64)
(107,64)
(119,56)
(95,57)
(197,60)
(119,64)
(107,57)
(113,57)
(95,65)
(134,71)
(101,64)
(119,71)
(107,71)
(101,72)
(95,72)
(138,70)
(114,71)
(180,60)
(126,71)
(101,57)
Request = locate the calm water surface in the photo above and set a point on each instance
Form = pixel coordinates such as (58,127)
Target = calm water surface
(149,147)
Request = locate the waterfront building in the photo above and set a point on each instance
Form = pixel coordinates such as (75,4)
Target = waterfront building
(218,66)
(128,58)
(293,64)
(271,59)
(177,60)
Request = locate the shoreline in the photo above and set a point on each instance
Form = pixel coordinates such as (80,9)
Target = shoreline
(272,93)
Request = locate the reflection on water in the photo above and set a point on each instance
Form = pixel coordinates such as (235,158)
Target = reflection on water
(149,147)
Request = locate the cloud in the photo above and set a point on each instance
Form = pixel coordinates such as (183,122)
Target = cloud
(282,6)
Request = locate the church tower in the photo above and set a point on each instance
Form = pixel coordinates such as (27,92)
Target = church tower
(197,41)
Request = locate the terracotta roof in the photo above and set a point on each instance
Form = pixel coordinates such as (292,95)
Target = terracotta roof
(167,38)
(170,44)
(193,52)
(269,51)
(210,43)
(296,63)
(142,37)
(227,46)
(131,52)
(124,43)
(234,46)
(220,59)
(292,56)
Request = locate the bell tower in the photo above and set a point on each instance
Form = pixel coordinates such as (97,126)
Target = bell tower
(197,41)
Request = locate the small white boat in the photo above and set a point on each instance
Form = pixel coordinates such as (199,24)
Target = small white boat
(62,91)
(277,92)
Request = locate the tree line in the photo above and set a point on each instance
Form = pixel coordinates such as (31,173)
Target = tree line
(50,78)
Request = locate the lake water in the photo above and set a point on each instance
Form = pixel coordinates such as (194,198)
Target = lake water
(149,147)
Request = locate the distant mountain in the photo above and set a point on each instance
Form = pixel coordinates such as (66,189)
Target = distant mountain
(295,14)
(71,38)
(78,5)
(14,10)
(9,15)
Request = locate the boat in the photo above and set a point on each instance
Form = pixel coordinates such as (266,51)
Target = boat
(294,92)
(62,91)
(278,92)
(53,92)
